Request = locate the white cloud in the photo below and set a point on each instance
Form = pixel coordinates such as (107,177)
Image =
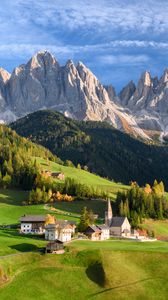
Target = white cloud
(123,59)
(101,14)
(69,51)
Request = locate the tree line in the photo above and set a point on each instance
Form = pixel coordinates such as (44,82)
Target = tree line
(48,190)
(147,202)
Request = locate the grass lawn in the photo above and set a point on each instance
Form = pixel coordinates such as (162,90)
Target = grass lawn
(84,177)
(12,242)
(121,245)
(97,206)
(11,208)
(125,270)
(88,271)
(158,226)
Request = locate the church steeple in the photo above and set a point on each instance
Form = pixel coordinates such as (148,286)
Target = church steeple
(108,214)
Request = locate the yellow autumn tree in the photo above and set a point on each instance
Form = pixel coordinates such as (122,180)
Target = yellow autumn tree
(147,189)
(67,198)
(50,220)
(59,196)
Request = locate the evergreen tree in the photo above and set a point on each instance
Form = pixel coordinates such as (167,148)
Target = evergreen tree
(84,220)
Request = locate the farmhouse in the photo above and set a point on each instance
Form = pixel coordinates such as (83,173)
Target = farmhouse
(119,226)
(105,232)
(54,247)
(58,175)
(97,232)
(61,230)
(32,224)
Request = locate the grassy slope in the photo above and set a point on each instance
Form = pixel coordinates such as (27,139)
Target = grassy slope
(88,272)
(159,227)
(100,270)
(84,177)
(11,208)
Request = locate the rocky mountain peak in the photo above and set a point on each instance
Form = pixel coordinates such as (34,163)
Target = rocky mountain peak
(146,78)
(127,92)
(111,91)
(42,59)
(76,92)
(164,78)
(4,75)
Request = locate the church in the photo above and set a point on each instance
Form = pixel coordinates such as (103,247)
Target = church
(119,226)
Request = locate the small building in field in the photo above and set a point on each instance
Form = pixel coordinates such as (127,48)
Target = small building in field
(105,232)
(58,175)
(98,232)
(33,224)
(119,226)
(93,233)
(61,230)
(54,247)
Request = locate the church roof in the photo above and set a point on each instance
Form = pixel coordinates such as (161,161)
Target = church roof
(117,221)
(103,227)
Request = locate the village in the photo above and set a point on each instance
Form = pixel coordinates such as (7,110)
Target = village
(58,232)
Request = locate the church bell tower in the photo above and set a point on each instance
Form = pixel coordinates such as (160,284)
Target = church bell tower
(108,214)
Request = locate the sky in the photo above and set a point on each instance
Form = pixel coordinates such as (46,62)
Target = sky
(116,39)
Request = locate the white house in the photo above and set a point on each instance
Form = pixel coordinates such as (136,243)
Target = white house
(61,230)
(105,232)
(32,224)
(97,232)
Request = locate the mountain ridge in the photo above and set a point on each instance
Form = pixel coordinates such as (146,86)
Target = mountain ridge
(105,150)
(76,92)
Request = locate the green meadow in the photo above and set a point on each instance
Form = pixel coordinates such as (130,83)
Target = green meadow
(12,208)
(84,177)
(114,269)
(88,270)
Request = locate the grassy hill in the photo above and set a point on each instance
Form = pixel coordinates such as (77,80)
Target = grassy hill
(87,272)
(12,208)
(83,177)
(105,150)
(100,270)
(160,227)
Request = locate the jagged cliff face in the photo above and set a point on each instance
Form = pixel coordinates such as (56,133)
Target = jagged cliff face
(148,103)
(74,90)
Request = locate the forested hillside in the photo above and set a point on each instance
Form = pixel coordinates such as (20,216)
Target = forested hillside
(103,149)
(17,169)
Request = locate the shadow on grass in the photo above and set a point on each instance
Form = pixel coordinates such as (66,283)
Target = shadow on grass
(14,233)
(121,286)
(13,197)
(25,247)
(95,272)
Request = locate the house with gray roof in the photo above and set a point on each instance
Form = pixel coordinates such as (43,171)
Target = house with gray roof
(119,226)
(32,224)
(98,232)
(61,230)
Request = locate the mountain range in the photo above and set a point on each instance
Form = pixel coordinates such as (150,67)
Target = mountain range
(140,110)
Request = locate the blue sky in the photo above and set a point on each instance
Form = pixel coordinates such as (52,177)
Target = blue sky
(116,39)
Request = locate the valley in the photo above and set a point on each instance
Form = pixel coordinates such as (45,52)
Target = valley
(83,150)
(99,146)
